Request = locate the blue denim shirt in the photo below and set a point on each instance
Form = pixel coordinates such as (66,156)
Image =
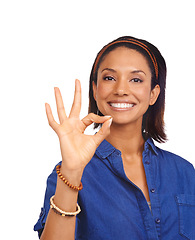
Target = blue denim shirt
(114,208)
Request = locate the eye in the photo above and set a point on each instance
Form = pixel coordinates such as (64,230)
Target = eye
(108,78)
(136,80)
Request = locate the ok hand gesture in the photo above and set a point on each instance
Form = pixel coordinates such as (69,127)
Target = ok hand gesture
(77,149)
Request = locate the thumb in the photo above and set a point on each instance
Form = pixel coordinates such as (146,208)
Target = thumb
(103,132)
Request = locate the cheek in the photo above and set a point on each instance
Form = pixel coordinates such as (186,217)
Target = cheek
(102,91)
(144,94)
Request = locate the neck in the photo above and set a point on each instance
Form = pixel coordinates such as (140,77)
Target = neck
(127,139)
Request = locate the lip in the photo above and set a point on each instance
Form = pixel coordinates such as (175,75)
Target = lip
(121,101)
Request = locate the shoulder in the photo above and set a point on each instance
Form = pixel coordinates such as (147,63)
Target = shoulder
(172,160)
(176,171)
(172,157)
(167,157)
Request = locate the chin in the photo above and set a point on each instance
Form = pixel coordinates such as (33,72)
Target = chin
(124,120)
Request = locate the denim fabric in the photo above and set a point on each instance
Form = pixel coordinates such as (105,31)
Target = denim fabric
(114,208)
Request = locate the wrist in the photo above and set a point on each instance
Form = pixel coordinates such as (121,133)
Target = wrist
(73,176)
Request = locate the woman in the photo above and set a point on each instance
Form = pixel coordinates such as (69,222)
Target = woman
(131,188)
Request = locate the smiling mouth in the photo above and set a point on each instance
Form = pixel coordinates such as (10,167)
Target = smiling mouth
(121,105)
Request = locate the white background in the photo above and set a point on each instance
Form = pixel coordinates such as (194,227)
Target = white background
(50,43)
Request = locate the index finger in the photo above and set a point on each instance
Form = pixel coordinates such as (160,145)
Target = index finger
(76,106)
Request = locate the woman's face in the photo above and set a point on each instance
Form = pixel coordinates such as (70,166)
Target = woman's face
(123,88)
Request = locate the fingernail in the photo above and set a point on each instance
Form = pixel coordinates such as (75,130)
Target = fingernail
(110,122)
(108,116)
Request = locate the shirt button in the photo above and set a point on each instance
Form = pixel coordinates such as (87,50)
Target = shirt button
(147,162)
(157,220)
(152,190)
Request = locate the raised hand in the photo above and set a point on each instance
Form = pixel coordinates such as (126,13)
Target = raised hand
(77,149)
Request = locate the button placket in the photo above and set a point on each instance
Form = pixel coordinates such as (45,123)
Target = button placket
(154,198)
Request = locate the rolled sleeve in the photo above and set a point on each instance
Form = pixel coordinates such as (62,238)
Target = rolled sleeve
(39,226)
(50,191)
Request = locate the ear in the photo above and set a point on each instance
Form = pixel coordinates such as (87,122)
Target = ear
(94,90)
(154,94)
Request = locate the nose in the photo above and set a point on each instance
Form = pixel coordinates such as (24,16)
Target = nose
(121,88)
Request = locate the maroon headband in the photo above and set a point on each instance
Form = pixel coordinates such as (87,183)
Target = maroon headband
(133,41)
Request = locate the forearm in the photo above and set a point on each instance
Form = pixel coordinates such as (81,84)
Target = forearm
(59,227)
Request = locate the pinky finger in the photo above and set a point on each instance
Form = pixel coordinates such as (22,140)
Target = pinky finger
(52,123)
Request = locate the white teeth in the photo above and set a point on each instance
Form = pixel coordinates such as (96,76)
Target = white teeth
(121,105)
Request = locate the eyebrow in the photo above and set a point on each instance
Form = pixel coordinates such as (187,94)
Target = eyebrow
(138,71)
(109,69)
(134,71)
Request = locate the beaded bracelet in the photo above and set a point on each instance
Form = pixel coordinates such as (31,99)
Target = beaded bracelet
(80,187)
(63,213)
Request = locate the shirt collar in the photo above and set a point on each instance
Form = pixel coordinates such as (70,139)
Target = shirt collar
(149,144)
(105,148)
